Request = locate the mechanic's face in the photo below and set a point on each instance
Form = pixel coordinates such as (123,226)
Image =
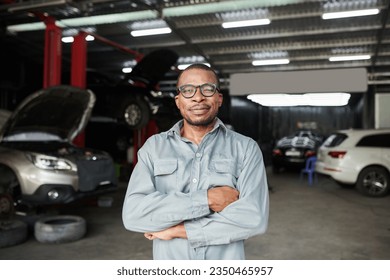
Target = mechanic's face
(198,110)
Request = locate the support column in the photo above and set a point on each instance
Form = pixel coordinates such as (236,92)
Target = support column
(79,72)
(52,54)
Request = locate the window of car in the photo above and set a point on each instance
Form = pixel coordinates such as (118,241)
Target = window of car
(377,140)
(335,139)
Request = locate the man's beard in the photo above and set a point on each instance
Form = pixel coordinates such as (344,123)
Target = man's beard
(205,122)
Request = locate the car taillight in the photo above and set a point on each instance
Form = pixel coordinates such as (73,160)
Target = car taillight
(310,153)
(277,152)
(337,154)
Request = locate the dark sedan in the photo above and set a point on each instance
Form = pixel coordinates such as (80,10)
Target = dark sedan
(293,151)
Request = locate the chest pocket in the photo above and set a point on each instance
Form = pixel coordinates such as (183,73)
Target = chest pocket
(165,175)
(223,172)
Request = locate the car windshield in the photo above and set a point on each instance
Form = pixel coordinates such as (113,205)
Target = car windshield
(335,139)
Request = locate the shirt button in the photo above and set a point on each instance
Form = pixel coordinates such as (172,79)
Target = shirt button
(194,181)
(198,155)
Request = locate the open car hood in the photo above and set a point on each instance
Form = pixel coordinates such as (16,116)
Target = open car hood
(54,113)
(153,66)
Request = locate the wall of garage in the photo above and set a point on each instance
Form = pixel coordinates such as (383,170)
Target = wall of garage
(268,124)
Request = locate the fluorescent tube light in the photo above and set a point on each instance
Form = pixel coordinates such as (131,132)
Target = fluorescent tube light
(153,31)
(244,23)
(308,99)
(347,14)
(270,62)
(35,6)
(184,66)
(349,58)
(82,21)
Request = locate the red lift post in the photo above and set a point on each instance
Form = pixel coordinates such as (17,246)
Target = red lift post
(52,52)
(78,78)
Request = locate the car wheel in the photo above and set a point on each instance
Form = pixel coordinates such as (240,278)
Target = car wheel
(6,205)
(60,229)
(373,181)
(136,113)
(12,232)
(9,183)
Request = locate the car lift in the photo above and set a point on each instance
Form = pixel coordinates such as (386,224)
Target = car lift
(52,71)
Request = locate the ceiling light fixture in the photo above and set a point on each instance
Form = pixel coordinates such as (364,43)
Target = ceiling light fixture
(357,13)
(82,21)
(349,58)
(35,6)
(270,62)
(127,70)
(308,99)
(245,23)
(184,66)
(153,31)
(70,39)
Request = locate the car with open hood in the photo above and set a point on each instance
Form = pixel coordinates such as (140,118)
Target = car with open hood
(39,164)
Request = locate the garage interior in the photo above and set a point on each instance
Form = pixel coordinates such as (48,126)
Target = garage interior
(322,221)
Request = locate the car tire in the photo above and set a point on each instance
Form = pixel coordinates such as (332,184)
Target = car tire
(136,113)
(59,229)
(373,181)
(9,183)
(6,205)
(12,232)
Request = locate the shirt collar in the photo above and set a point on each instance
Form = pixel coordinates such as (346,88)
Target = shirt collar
(176,128)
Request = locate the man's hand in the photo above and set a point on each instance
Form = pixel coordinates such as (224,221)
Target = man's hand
(220,197)
(177,231)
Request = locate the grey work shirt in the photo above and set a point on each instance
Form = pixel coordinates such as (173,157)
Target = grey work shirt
(169,185)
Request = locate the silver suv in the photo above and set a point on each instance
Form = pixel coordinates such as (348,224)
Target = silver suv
(39,165)
(358,157)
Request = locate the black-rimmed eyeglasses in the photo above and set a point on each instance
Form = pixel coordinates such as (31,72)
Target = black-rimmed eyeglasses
(206,90)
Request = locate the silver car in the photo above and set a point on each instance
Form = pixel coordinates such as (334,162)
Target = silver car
(39,164)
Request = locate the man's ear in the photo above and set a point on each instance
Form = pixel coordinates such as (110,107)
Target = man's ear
(220,101)
(177,101)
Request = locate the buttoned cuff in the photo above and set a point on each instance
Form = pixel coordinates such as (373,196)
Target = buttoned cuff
(200,204)
(195,234)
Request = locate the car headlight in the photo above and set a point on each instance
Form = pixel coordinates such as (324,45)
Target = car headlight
(49,163)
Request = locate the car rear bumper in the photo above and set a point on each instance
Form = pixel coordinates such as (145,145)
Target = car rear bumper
(339,174)
(288,161)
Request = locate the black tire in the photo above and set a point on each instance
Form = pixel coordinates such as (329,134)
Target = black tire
(60,229)
(136,113)
(373,181)
(6,205)
(9,182)
(12,232)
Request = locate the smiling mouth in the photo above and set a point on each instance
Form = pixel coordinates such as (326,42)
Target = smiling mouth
(203,108)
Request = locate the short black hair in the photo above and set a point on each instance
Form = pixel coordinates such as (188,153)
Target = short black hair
(200,66)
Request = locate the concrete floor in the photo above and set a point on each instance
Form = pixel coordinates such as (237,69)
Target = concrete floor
(323,222)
